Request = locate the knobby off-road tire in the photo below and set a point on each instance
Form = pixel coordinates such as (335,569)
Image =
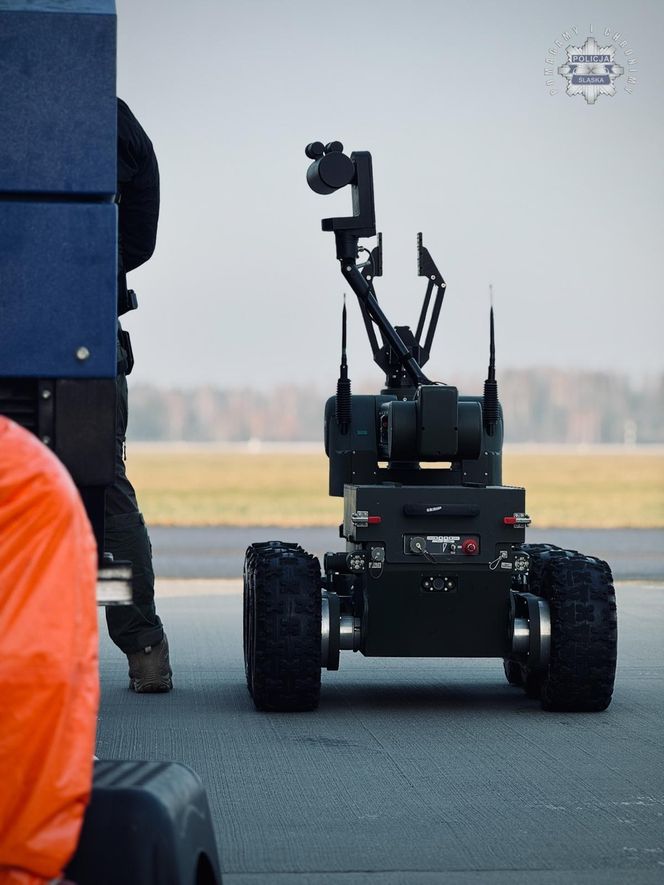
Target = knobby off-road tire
(282,627)
(579,589)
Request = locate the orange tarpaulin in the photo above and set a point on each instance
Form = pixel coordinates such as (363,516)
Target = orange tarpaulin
(49,688)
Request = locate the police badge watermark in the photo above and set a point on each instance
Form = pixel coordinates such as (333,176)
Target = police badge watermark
(590,68)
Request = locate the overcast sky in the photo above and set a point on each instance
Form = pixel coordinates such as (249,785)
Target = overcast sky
(555,201)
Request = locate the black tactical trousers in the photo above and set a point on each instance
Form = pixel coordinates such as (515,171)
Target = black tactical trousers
(131,627)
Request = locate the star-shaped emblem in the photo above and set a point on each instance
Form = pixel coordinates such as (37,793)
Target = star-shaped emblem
(590,70)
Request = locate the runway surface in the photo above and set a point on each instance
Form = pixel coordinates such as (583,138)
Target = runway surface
(218,552)
(413,772)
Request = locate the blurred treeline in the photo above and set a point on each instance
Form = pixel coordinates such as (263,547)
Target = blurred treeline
(540,406)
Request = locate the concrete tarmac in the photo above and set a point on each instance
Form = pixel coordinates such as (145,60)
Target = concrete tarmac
(412,772)
(218,551)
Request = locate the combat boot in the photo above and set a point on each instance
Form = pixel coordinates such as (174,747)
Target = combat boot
(150,669)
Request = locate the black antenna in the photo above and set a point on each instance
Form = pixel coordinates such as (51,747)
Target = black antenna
(492,340)
(342,403)
(490,405)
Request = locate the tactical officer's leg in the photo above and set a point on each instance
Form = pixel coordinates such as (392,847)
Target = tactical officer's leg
(132,627)
(137,628)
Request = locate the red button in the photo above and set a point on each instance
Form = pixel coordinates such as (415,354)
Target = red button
(469,546)
(374,520)
(509,520)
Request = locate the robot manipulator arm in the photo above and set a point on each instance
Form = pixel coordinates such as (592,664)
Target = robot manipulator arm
(331,170)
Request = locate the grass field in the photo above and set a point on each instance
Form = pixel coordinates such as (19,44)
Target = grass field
(600,488)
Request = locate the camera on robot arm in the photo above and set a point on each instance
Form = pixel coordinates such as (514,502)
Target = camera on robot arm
(414,419)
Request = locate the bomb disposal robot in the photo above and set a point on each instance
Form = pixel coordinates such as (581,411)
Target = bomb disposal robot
(436,563)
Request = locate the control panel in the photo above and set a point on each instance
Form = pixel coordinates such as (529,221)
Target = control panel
(435,547)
